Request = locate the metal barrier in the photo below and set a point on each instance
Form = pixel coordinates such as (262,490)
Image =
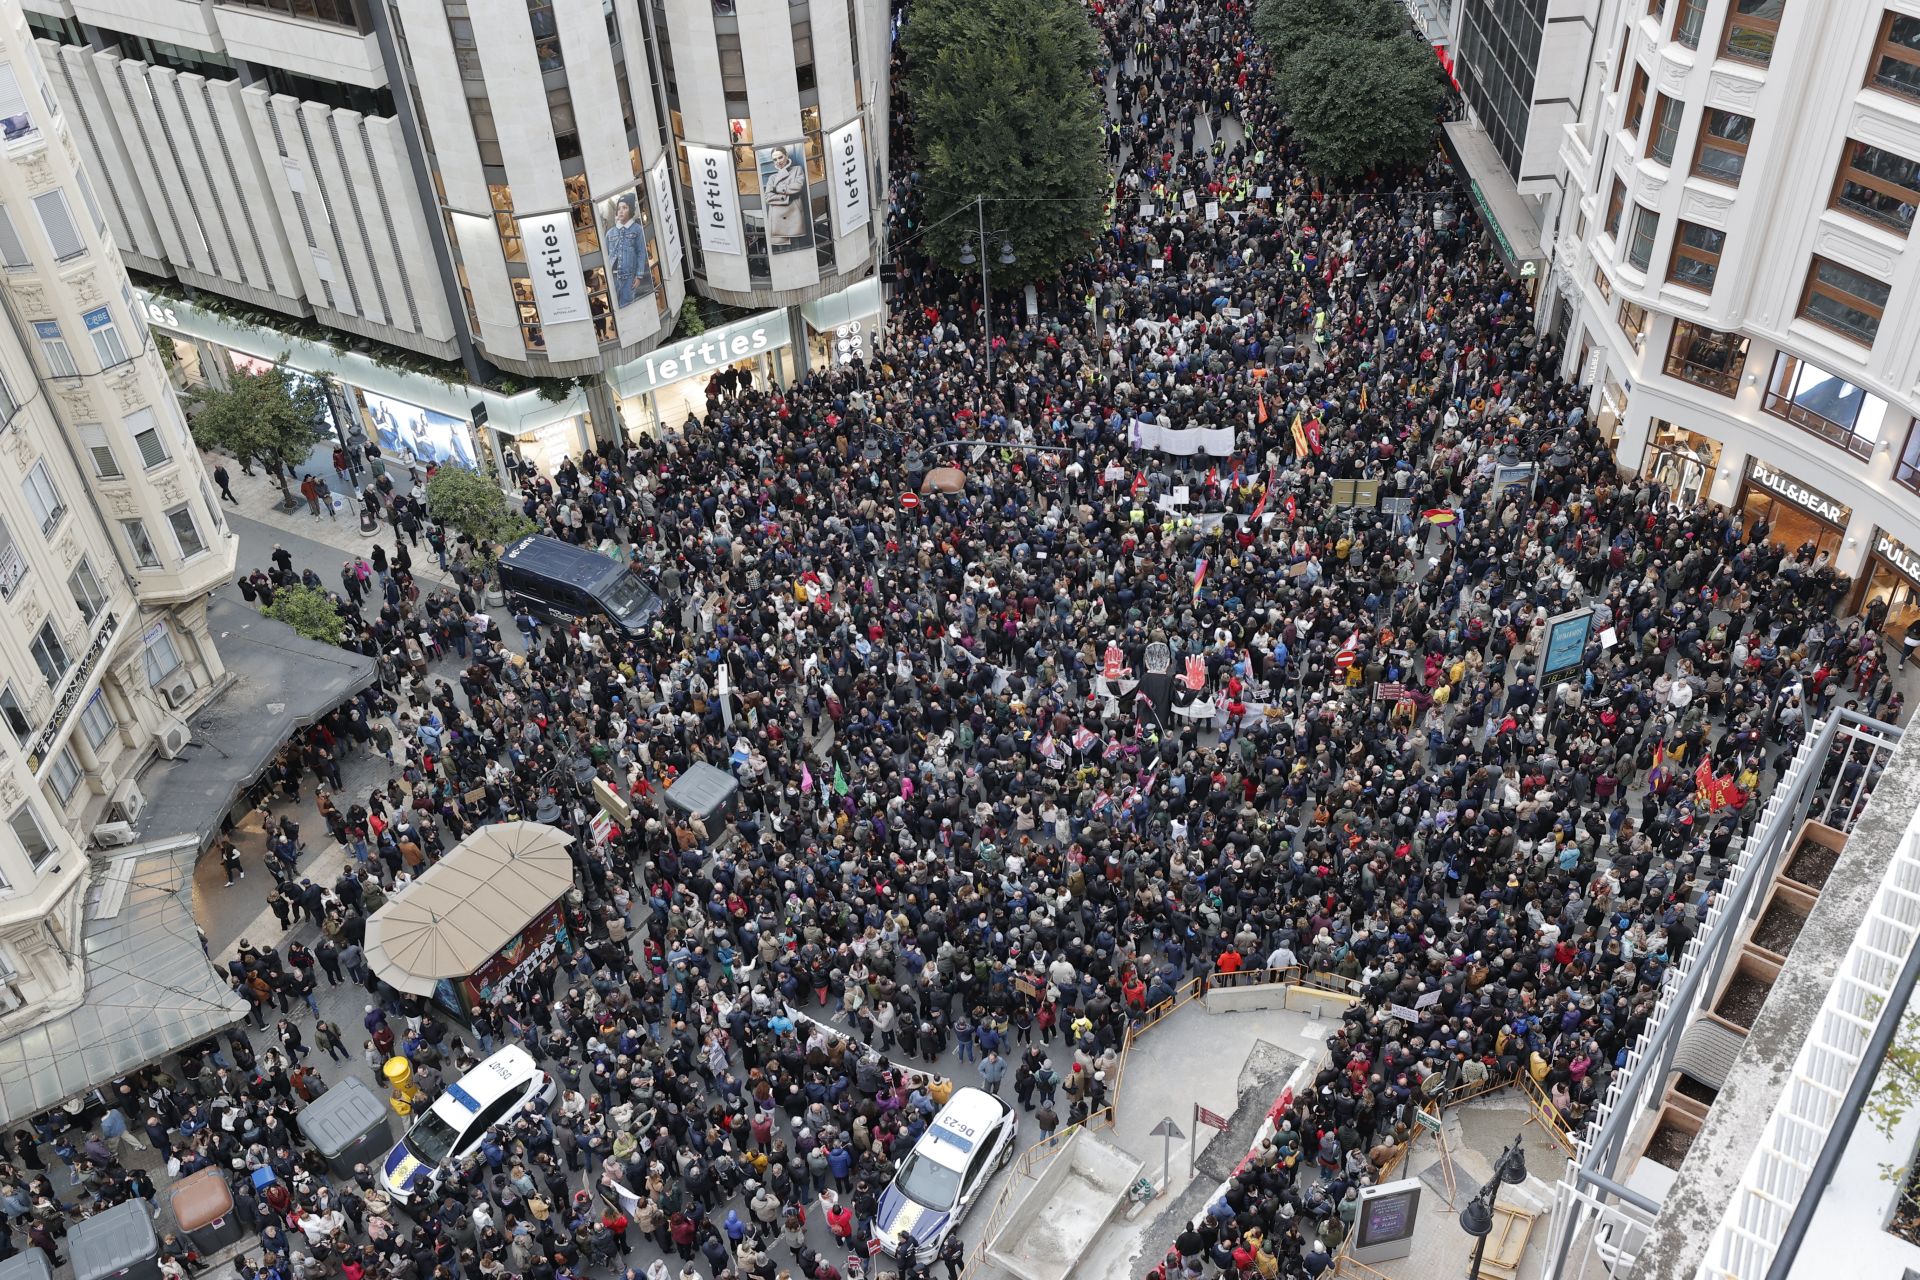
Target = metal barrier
(1545,1114)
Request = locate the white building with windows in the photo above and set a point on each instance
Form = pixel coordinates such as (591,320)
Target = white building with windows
(1737,250)
(110,540)
(487,191)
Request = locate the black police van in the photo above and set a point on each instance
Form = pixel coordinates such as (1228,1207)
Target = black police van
(559,580)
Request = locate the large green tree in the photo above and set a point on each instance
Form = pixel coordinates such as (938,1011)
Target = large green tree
(1004,108)
(1361,103)
(309,612)
(267,418)
(1284,27)
(472,504)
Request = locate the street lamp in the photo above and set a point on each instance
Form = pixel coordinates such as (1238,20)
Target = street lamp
(1477,1218)
(967,259)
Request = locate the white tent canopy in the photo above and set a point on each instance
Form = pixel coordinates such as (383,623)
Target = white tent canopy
(467,906)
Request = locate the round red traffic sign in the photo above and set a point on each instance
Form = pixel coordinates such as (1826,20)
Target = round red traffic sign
(910,500)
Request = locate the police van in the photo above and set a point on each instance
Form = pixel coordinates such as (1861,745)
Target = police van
(945,1174)
(490,1094)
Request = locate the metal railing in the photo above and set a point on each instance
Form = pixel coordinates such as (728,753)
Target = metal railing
(1829,780)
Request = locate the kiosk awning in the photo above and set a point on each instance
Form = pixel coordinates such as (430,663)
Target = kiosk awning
(1495,196)
(467,906)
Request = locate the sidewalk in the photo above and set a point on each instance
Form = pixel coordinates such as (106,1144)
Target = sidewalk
(259,501)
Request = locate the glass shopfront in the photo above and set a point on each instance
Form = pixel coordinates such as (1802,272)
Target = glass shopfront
(844,327)
(1795,513)
(1892,576)
(659,390)
(1682,460)
(1613,407)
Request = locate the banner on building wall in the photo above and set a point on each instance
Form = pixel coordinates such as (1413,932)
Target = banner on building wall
(666,218)
(402,429)
(625,249)
(553,263)
(784,199)
(847,167)
(716,201)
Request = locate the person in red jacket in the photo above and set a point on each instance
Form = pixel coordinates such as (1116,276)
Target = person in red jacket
(1229,963)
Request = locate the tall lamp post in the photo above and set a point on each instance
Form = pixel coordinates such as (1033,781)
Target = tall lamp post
(967,259)
(1477,1218)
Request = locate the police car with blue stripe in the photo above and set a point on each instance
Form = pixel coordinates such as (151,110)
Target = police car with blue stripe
(490,1094)
(945,1174)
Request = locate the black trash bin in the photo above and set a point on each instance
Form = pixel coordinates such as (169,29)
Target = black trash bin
(347,1125)
(203,1206)
(118,1244)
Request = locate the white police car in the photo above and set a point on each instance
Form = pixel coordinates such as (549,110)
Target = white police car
(490,1094)
(946,1173)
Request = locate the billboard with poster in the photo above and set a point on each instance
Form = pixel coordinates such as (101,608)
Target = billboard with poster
(400,428)
(520,958)
(624,247)
(783,195)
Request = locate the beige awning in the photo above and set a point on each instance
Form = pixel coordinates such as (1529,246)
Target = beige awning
(467,906)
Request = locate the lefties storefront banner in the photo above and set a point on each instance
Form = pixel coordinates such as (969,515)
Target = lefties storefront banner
(666,216)
(553,263)
(716,200)
(847,170)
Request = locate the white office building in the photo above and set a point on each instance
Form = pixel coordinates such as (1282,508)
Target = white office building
(490,203)
(1737,251)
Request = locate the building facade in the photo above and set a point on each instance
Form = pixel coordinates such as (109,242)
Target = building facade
(1737,249)
(110,540)
(525,186)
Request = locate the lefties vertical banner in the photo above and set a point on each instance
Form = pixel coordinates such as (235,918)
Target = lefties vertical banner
(553,263)
(847,170)
(716,200)
(666,218)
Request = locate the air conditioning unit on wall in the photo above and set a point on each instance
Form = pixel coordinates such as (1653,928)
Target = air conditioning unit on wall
(177,692)
(173,739)
(128,802)
(110,834)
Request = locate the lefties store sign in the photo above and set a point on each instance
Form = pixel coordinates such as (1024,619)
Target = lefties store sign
(553,264)
(716,201)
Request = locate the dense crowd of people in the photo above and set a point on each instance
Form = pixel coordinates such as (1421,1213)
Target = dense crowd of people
(959,829)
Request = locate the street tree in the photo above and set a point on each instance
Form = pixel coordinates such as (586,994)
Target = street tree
(265,418)
(1005,108)
(1362,104)
(309,611)
(1284,27)
(470,504)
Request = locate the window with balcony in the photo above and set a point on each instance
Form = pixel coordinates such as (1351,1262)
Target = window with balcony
(1752,28)
(63,774)
(1646,225)
(1895,64)
(1877,185)
(1824,404)
(13,565)
(42,498)
(1616,202)
(50,654)
(1636,102)
(96,720)
(1696,256)
(1688,21)
(89,593)
(1844,300)
(1721,153)
(1666,128)
(1706,357)
(1632,319)
(33,838)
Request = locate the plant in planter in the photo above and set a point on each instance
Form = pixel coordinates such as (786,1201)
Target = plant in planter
(265,417)
(473,506)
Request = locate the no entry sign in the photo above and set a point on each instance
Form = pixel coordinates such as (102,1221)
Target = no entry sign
(910,500)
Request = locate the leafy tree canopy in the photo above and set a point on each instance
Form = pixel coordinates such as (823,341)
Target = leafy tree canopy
(469,503)
(309,612)
(266,417)
(1360,103)
(1004,105)
(1284,27)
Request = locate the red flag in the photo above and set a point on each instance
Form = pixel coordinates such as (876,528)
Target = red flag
(1139,483)
(1703,778)
(1292,509)
(1659,752)
(1313,435)
(1262,398)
